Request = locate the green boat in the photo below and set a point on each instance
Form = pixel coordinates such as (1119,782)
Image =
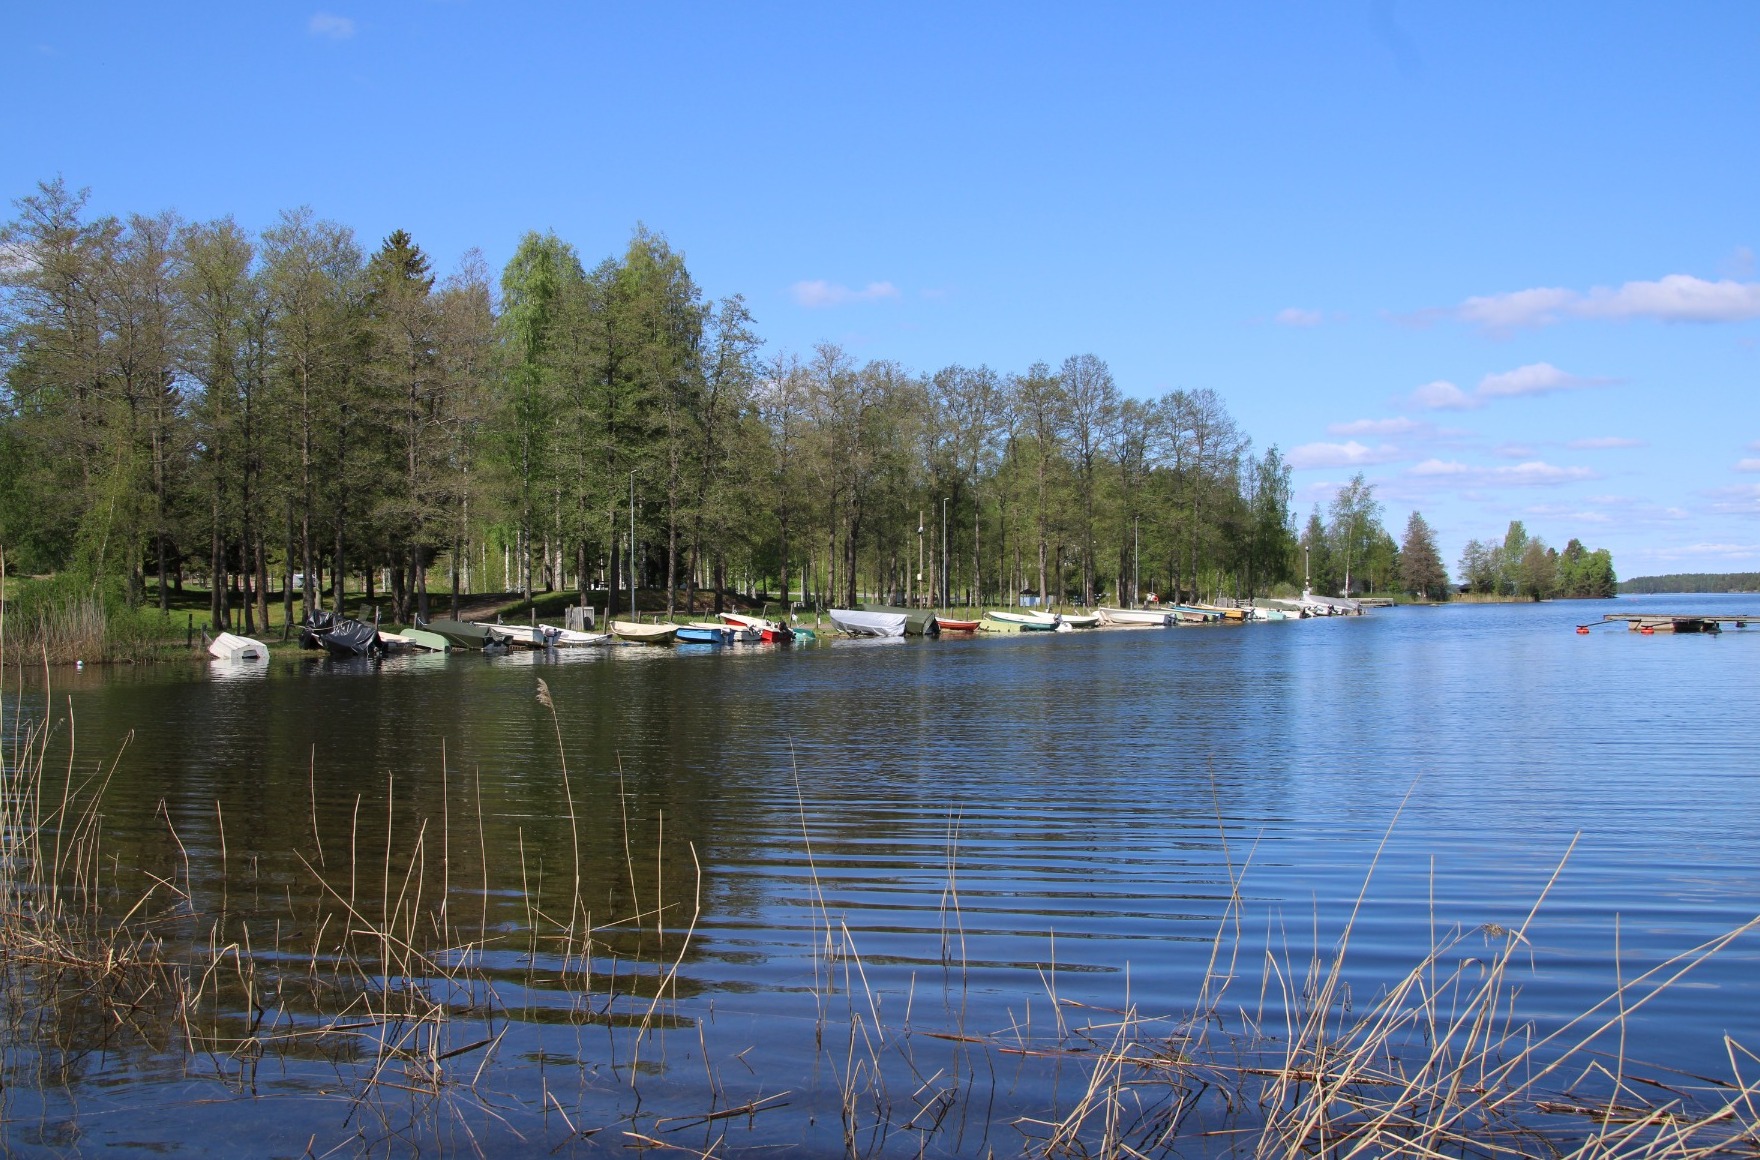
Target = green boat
(991,624)
(423,638)
(465,633)
(917,621)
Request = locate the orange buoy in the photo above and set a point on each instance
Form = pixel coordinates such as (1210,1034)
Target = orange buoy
(1582,630)
(1647,630)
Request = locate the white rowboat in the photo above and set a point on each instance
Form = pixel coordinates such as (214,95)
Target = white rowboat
(228,647)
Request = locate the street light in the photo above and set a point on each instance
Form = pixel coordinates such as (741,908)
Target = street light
(920,530)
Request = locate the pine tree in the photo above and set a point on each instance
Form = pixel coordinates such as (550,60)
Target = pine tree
(1420,566)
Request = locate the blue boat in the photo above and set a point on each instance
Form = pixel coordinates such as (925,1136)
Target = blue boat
(699,634)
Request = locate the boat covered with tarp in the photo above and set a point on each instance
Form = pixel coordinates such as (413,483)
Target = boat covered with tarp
(917,621)
(313,625)
(861,622)
(352,638)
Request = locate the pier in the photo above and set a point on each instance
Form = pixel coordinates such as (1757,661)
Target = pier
(1653,622)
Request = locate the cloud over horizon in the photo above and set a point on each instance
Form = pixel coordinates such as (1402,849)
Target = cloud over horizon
(1672,298)
(1605,443)
(819,293)
(1296,316)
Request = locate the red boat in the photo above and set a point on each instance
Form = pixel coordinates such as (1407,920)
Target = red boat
(769,631)
(948,624)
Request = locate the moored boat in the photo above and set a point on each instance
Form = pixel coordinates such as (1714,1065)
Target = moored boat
(549,636)
(1136,617)
(422,638)
(769,631)
(228,647)
(917,621)
(1080,619)
(861,622)
(634,633)
(949,624)
(736,633)
(312,627)
(352,638)
(716,634)
(1234,615)
(467,633)
(1042,621)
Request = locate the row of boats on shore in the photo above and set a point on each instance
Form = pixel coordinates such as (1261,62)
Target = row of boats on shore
(882,620)
(343,637)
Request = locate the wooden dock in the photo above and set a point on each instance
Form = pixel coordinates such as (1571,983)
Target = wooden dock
(1653,622)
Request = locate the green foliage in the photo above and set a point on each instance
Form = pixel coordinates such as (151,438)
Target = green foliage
(1420,565)
(1691,582)
(195,401)
(1525,566)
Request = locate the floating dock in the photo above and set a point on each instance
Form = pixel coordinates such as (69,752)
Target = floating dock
(1653,622)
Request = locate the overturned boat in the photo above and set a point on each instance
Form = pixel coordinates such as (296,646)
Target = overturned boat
(468,633)
(227,647)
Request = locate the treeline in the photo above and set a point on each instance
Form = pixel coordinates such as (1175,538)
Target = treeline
(1693,582)
(284,415)
(1523,565)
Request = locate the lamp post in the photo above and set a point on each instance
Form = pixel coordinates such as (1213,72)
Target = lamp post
(920,530)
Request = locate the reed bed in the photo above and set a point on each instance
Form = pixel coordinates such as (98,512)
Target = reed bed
(391,974)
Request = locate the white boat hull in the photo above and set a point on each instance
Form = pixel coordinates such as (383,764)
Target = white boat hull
(228,647)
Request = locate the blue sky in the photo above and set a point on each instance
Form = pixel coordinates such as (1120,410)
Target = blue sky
(1499,257)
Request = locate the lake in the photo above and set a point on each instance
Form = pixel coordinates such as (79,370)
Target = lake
(884,897)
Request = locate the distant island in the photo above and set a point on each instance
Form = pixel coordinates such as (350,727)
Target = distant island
(1692,582)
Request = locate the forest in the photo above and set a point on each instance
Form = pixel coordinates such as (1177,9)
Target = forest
(284,416)
(1692,582)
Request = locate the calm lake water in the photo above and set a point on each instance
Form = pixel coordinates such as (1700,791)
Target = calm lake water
(972,824)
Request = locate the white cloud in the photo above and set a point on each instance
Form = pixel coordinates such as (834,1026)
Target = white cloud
(1513,451)
(1503,312)
(1398,426)
(1676,298)
(1740,500)
(1748,465)
(1672,298)
(820,293)
(1533,379)
(1535,473)
(1442,395)
(1351,454)
(328,25)
(1605,443)
(1296,316)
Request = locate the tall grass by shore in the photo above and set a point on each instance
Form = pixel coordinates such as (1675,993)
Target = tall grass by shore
(390,971)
